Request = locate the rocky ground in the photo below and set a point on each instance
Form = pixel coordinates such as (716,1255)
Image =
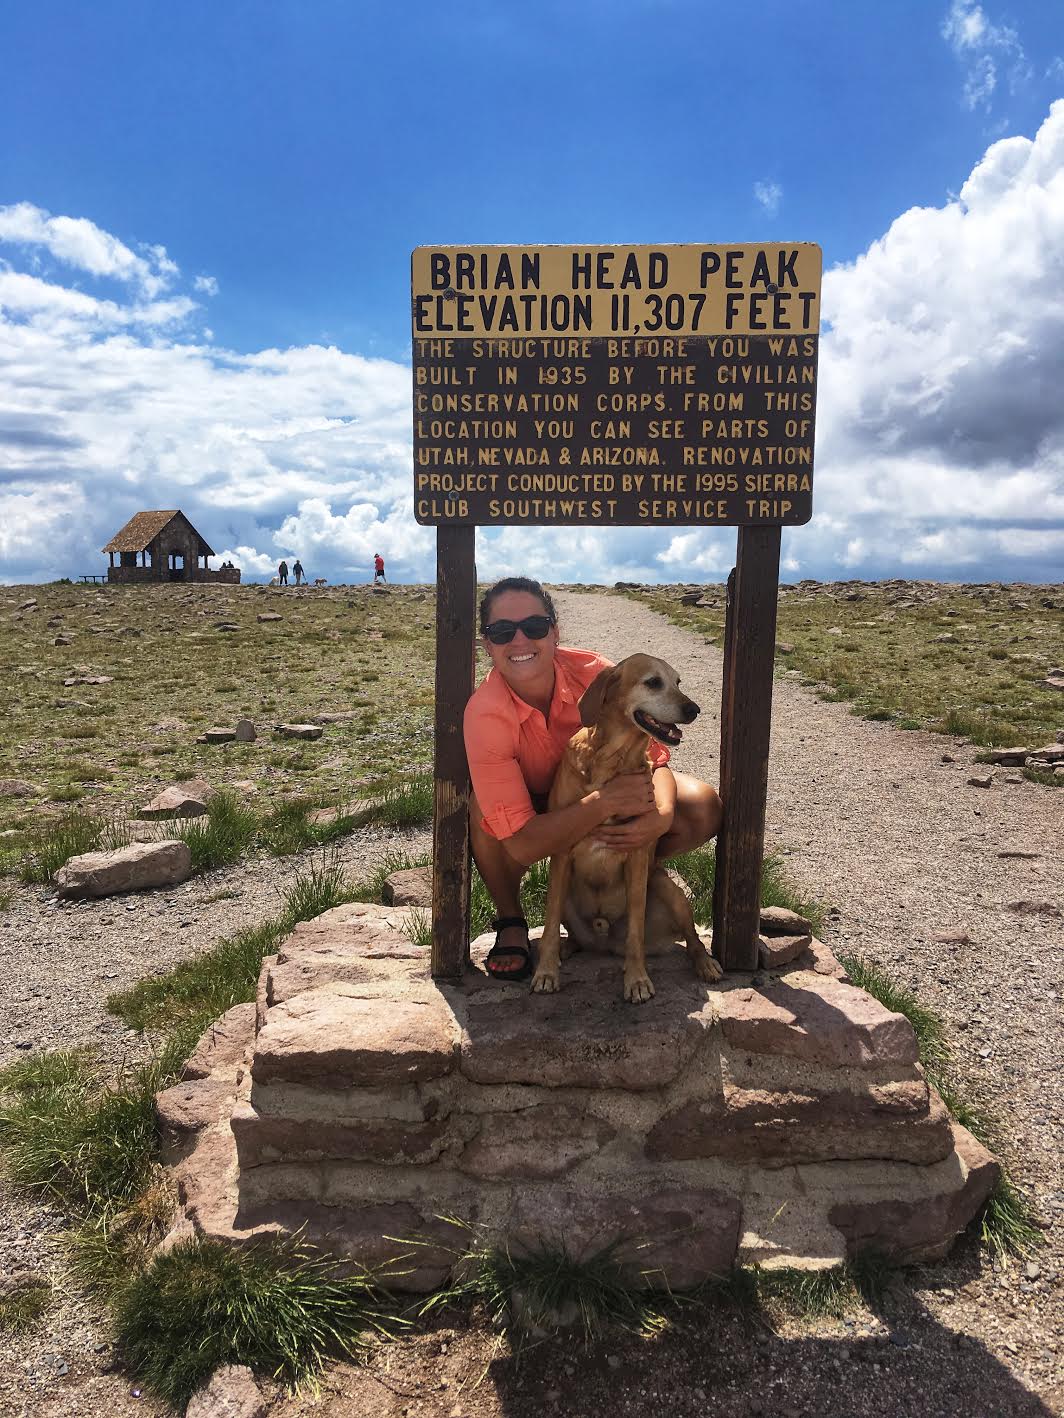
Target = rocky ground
(869,818)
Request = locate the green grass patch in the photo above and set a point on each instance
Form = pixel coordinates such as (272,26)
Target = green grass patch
(698,869)
(222,835)
(1045,776)
(281,1309)
(52,845)
(23,1305)
(399,804)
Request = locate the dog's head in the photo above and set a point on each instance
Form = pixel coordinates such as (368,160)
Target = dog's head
(643,691)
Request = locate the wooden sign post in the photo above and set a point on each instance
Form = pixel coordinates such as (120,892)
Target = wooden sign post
(667,386)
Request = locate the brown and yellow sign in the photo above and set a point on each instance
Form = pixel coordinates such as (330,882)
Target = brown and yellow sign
(671,385)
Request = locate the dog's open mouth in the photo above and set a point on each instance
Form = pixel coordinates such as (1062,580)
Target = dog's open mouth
(665,733)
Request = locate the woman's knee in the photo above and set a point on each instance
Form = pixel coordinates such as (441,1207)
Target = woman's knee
(699,807)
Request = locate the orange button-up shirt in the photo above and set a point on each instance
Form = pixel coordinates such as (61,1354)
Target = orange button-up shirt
(514,752)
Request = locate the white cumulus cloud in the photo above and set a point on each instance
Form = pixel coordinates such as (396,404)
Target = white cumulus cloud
(768,195)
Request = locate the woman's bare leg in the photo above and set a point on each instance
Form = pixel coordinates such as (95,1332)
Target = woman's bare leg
(697,818)
(502,876)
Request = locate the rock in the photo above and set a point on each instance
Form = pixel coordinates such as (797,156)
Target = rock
(227,625)
(834,1024)
(88,679)
(798,1123)
(18,788)
(947,639)
(1034,908)
(29,605)
(1008,757)
(778,920)
(1054,682)
(181,800)
(299,731)
(336,1038)
(690,598)
(410,887)
(244,731)
(223,1045)
(952,937)
(139,867)
(834,630)
(265,1138)
(923,1229)
(62,640)
(187,1108)
(267,616)
(543,1141)
(774,951)
(231,1392)
(672,1238)
(218,736)
(947,758)
(784,648)
(981,780)
(1052,753)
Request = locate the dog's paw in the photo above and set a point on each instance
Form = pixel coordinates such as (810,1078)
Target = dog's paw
(545,982)
(706,968)
(638,989)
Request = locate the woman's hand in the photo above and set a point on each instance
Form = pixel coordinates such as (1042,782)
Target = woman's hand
(642,831)
(628,795)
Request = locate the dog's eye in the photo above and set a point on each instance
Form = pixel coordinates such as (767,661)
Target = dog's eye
(654,682)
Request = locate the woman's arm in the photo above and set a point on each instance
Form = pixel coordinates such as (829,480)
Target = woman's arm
(644,830)
(629,795)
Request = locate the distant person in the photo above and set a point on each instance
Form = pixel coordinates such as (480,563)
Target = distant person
(378,569)
(297,571)
(282,574)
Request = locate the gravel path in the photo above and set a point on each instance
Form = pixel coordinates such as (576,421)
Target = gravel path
(871,820)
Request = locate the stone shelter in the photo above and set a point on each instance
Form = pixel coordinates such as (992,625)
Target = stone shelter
(163,546)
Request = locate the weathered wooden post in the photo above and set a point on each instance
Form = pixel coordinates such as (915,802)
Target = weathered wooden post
(456,601)
(666,386)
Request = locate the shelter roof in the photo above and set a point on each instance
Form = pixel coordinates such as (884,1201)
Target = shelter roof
(142,529)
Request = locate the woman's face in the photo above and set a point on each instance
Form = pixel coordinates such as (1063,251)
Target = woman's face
(522,661)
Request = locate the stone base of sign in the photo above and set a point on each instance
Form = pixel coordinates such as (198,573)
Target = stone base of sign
(780,1118)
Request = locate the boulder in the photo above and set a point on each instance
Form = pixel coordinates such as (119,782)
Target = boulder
(218,735)
(981,780)
(244,731)
(139,867)
(778,920)
(410,887)
(188,799)
(913,1229)
(834,1024)
(339,1038)
(223,1045)
(88,679)
(299,731)
(670,1238)
(267,616)
(1008,757)
(542,1141)
(231,1392)
(18,788)
(776,950)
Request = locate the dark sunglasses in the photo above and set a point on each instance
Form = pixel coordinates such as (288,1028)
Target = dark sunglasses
(501,632)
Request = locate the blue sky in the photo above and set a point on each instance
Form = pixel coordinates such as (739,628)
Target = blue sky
(207,210)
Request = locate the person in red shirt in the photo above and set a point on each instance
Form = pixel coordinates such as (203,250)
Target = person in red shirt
(517,725)
(378,568)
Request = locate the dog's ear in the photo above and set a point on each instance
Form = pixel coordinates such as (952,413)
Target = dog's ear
(595,695)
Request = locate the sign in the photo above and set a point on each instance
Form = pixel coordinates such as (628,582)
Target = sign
(624,386)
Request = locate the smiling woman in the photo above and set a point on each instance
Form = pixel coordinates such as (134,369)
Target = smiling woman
(517,726)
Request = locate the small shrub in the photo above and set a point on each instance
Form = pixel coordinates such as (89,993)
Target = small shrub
(222,835)
(312,892)
(22,1306)
(286,830)
(400,805)
(418,927)
(281,1309)
(1045,776)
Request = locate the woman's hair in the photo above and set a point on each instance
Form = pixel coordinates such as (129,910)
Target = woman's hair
(515,583)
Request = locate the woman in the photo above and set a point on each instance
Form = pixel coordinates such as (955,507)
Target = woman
(517,725)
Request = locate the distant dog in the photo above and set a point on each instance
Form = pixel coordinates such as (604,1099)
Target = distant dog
(320,581)
(618,900)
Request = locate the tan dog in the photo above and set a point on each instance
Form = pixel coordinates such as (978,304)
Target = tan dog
(615,899)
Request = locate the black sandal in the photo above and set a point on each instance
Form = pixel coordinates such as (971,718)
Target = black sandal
(525,969)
